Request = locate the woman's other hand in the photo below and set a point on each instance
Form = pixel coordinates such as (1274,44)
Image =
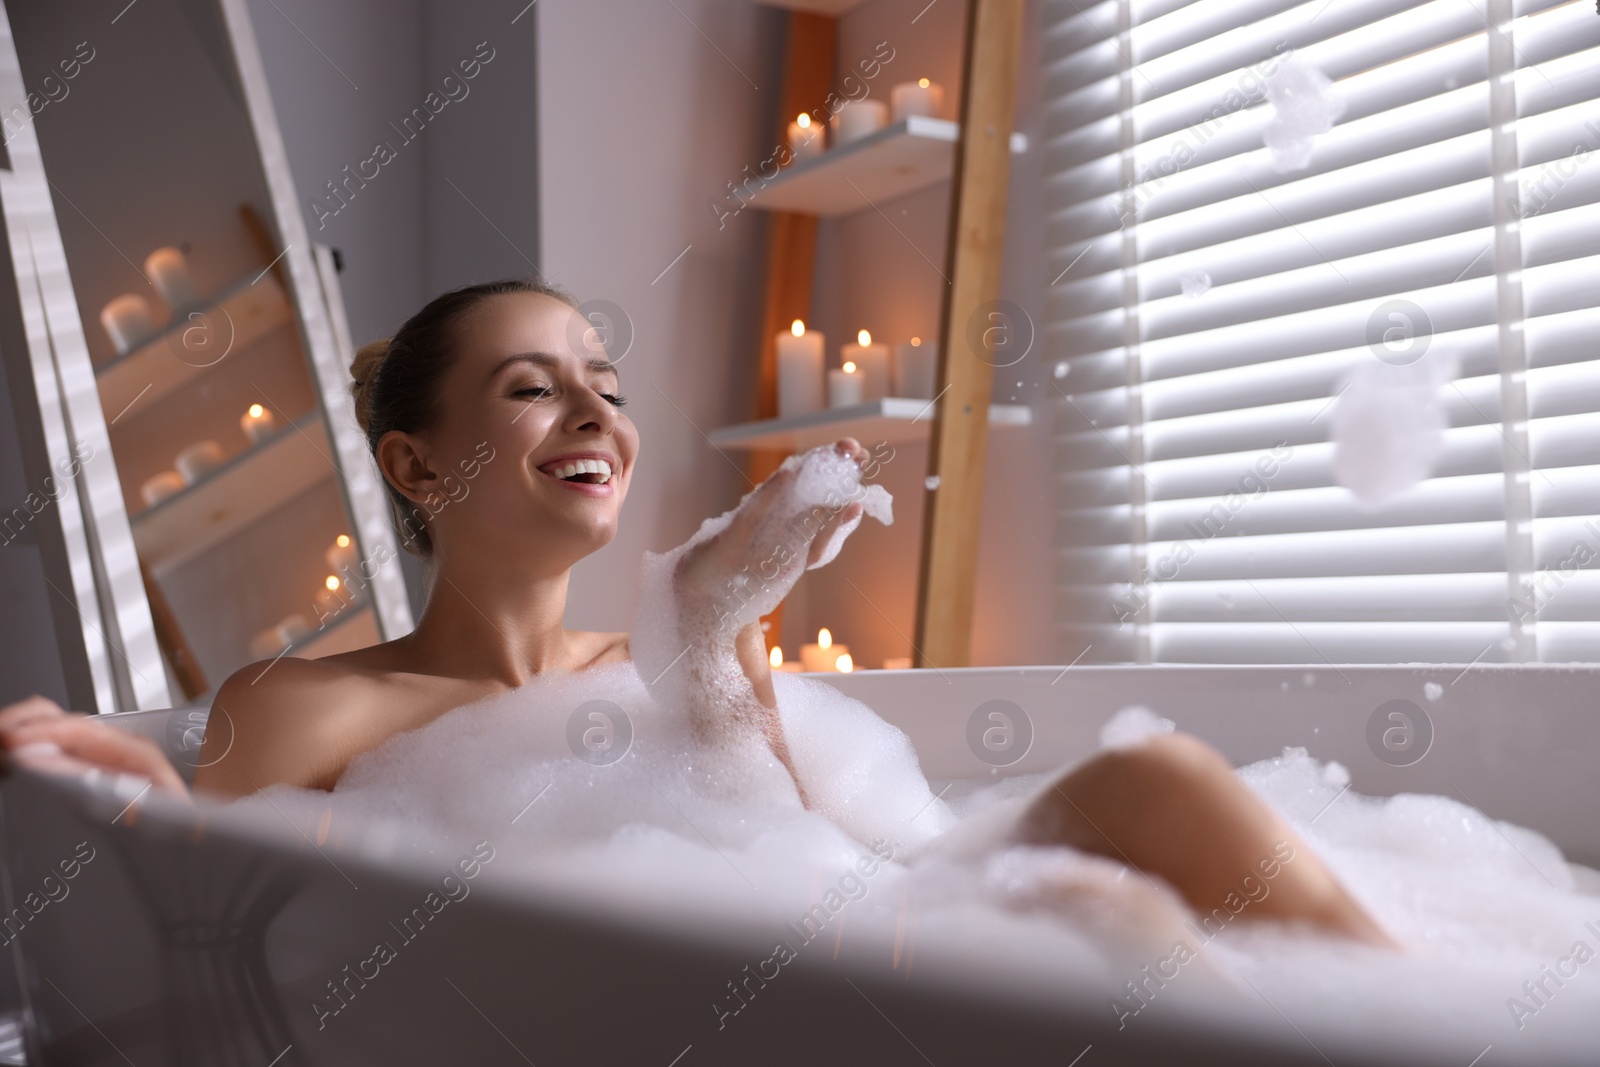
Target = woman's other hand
(39,734)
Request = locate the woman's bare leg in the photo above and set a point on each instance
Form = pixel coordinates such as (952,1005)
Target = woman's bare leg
(1173,807)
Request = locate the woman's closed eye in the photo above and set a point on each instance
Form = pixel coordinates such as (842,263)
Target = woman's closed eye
(537,392)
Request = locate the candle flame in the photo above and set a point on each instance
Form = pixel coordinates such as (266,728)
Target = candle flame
(775,657)
(849,366)
(804,121)
(797,328)
(845,663)
(343,540)
(916,342)
(863,338)
(824,638)
(256,411)
(923,82)
(331,582)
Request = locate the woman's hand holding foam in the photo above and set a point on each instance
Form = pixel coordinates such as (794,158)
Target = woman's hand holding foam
(744,568)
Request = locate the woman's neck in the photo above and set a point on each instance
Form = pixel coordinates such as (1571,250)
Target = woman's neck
(483,624)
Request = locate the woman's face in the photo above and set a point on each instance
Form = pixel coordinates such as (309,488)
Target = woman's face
(531,436)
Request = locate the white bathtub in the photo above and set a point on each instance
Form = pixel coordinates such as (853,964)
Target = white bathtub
(183,942)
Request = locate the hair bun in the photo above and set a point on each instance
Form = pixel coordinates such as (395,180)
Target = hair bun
(363,369)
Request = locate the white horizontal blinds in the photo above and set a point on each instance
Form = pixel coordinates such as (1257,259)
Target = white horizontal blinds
(1169,404)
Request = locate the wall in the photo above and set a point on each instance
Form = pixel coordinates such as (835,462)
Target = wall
(884,270)
(643,122)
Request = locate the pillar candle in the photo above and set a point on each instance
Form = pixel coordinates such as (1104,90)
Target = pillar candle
(914,365)
(921,97)
(859,118)
(824,655)
(330,599)
(844,386)
(199,459)
(873,362)
(168,271)
(257,423)
(806,138)
(128,322)
(799,371)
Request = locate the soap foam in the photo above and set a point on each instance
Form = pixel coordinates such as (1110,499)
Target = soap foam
(709,822)
(1388,428)
(1304,107)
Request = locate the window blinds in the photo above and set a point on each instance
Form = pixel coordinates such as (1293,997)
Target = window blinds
(1198,519)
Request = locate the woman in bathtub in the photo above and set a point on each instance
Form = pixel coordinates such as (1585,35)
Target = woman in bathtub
(504,381)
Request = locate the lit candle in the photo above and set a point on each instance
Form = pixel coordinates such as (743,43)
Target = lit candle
(168,271)
(914,367)
(342,556)
(799,371)
(163,485)
(775,657)
(257,423)
(199,460)
(844,386)
(824,655)
(805,138)
(844,663)
(128,322)
(330,599)
(921,97)
(858,119)
(873,361)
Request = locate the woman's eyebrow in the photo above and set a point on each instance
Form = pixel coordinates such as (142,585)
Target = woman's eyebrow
(549,362)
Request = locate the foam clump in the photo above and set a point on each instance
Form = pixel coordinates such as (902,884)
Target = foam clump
(1304,107)
(1388,429)
(1195,283)
(1133,726)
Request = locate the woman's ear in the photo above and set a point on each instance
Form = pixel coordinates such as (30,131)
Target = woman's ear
(403,460)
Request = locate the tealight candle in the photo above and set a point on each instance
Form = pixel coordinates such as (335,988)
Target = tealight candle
(824,655)
(806,138)
(168,271)
(275,639)
(873,361)
(163,485)
(859,118)
(921,97)
(799,371)
(128,322)
(330,599)
(775,658)
(915,363)
(844,386)
(199,460)
(257,423)
(342,556)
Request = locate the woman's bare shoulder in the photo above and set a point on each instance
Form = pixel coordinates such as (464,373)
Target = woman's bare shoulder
(288,721)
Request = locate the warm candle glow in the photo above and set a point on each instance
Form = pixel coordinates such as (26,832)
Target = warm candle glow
(798,328)
(845,663)
(804,121)
(256,410)
(923,82)
(916,342)
(863,338)
(775,657)
(331,582)
(849,366)
(343,540)
(824,638)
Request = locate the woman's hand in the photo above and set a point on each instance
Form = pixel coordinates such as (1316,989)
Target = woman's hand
(756,548)
(39,734)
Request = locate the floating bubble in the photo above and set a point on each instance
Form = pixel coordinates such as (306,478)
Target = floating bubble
(1062,369)
(1433,691)
(1196,283)
(931,482)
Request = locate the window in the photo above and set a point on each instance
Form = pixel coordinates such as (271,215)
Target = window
(1454,206)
